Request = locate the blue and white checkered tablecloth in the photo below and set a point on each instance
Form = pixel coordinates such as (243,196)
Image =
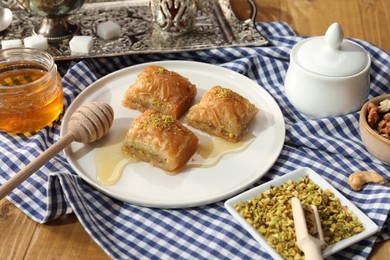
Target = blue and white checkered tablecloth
(331,147)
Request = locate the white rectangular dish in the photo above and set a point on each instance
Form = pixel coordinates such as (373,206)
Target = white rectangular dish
(370,227)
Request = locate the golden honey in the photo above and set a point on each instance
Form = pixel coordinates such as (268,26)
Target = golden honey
(31,95)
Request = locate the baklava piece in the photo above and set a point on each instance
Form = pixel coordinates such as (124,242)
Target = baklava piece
(162,90)
(160,140)
(222,112)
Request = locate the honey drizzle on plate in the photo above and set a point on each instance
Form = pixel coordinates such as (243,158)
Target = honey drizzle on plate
(211,152)
(110,160)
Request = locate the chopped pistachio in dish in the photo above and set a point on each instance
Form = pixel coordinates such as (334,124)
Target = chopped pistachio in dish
(270,214)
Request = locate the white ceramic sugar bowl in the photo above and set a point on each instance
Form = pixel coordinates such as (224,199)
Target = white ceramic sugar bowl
(328,75)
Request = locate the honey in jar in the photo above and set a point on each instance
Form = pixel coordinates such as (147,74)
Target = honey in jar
(31,95)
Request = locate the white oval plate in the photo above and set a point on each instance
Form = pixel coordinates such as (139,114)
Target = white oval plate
(146,185)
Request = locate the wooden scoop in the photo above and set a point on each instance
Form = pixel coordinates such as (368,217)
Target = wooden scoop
(88,124)
(310,245)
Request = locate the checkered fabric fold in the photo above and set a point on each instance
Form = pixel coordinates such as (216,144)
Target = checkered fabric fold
(330,146)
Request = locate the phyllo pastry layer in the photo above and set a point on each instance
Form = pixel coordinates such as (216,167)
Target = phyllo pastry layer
(162,90)
(222,112)
(161,140)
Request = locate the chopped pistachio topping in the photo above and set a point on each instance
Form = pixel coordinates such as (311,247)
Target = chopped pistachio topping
(162,120)
(222,93)
(157,103)
(160,70)
(159,121)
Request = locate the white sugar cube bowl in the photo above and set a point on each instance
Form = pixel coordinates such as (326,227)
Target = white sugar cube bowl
(369,225)
(328,75)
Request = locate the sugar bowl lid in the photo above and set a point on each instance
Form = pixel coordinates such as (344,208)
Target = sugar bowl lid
(330,55)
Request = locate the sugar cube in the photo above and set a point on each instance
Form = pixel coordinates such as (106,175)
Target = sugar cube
(15,43)
(81,44)
(37,42)
(108,30)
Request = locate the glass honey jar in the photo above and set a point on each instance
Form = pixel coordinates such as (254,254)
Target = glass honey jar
(31,95)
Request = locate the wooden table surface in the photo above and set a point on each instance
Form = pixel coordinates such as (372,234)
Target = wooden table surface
(65,238)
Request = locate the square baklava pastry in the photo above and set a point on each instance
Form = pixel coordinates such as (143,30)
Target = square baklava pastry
(162,90)
(223,113)
(161,140)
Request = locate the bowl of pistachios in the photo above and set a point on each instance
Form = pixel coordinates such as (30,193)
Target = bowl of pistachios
(266,213)
(374,129)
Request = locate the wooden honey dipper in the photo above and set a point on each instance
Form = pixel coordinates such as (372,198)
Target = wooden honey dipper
(88,124)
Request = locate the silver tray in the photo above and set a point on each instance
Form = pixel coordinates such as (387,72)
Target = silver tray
(216,26)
